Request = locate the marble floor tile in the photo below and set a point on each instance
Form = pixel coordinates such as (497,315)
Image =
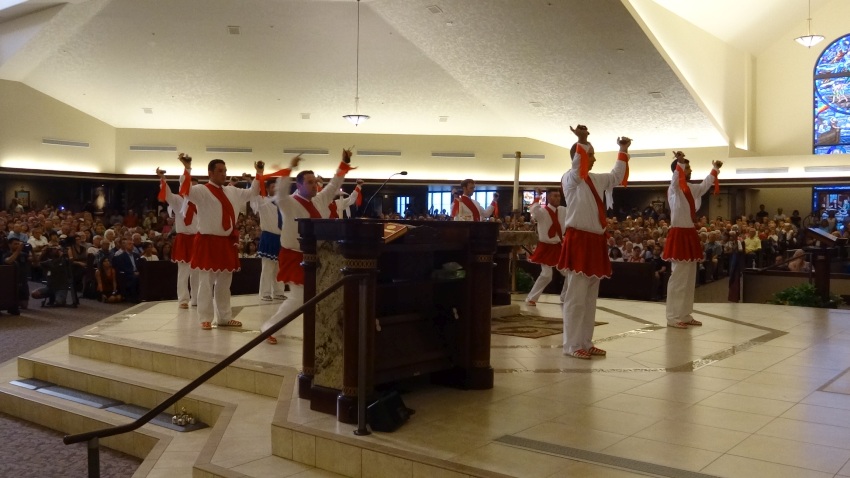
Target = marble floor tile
(792,453)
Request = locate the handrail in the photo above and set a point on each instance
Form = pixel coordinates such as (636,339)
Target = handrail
(119,429)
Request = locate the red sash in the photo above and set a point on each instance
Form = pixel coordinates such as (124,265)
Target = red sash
(228,216)
(600,208)
(190,214)
(683,185)
(309,206)
(555,228)
(334,213)
(476,216)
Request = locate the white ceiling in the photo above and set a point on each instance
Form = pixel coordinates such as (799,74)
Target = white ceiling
(521,68)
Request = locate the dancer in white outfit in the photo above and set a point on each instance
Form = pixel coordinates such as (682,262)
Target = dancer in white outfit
(584,254)
(305,202)
(465,208)
(271,219)
(186,226)
(551,219)
(682,247)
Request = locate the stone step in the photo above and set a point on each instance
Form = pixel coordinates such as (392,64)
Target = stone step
(246,375)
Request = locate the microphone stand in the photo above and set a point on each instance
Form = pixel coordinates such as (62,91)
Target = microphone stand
(366,207)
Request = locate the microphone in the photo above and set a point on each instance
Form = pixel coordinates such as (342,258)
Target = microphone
(366,207)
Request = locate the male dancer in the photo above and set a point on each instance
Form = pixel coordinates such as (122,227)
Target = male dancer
(584,254)
(683,248)
(550,219)
(216,252)
(340,208)
(465,208)
(271,220)
(305,202)
(186,226)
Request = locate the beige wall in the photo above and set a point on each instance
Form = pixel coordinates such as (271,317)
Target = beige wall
(28,116)
(788,198)
(416,153)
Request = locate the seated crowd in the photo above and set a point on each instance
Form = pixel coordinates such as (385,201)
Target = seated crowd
(96,254)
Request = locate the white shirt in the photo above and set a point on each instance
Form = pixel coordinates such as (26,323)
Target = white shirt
(292,209)
(544,221)
(582,211)
(465,214)
(680,210)
(178,206)
(266,208)
(210,209)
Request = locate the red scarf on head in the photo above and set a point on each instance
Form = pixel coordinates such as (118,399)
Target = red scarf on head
(309,206)
(228,215)
(476,216)
(683,185)
(555,228)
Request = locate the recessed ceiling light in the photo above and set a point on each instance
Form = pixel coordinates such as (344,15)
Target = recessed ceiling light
(536,104)
(434,9)
(656,94)
(444,119)
(450,24)
(148,111)
(233,29)
(305,115)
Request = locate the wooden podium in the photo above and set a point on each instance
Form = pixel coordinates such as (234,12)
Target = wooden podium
(426,318)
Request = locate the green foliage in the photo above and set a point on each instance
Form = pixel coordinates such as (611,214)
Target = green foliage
(524,281)
(805,295)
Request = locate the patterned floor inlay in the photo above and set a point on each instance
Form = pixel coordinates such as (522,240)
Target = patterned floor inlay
(600,458)
(651,327)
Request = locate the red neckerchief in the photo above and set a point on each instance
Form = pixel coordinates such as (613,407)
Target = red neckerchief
(309,206)
(555,228)
(600,208)
(190,213)
(683,185)
(476,216)
(332,207)
(228,216)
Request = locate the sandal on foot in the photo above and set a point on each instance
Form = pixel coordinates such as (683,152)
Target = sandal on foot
(272,340)
(694,322)
(231,323)
(597,351)
(678,325)
(532,303)
(580,354)
(206,325)
(182,305)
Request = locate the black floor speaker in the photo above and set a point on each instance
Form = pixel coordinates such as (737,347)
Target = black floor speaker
(387,413)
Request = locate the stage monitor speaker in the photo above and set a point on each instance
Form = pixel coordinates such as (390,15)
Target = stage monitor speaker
(387,413)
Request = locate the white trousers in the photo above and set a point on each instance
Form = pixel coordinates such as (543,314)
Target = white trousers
(542,281)
(680,291)
(579,311)
(187,283)
(269,286)
(294,300)
(214,297)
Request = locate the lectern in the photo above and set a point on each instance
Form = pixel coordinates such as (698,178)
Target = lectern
(820,261)
(428,307)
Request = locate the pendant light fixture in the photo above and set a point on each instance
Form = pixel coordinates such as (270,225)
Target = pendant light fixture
(809,40)
(357,118)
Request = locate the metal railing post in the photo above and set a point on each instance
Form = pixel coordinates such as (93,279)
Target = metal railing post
(361,361)
(94,458)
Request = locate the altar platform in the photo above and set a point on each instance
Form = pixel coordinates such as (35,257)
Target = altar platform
(757,391)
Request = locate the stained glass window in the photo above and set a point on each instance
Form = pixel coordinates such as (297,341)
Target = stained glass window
(832,99)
